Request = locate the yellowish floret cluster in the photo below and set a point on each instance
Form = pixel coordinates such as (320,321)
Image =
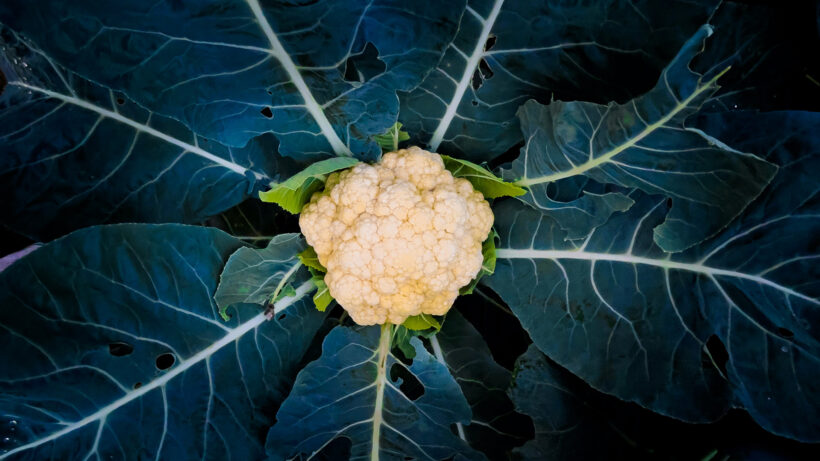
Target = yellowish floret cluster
(398,238)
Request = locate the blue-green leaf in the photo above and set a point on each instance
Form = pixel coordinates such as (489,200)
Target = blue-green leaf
(644,144)
(565,423)
(351,392)
(295,192)
(726,323)
(113,349)
(573,421)
(255,221)
(508,51)
(216,65)
(77,154)
(580,215)
(259,276)
(495,427)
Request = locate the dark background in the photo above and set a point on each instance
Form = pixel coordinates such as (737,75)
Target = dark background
(788,80)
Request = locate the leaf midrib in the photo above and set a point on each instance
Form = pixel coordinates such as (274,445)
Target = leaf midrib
(509,253)
(141,128)
(466,77)
(313,107)
(631,142)
(183,366)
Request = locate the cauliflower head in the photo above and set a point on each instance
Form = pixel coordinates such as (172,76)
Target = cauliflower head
(398,238)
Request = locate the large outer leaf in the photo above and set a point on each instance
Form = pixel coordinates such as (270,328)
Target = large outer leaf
(76,154)
(643,144)
(584,211)
(214,64)
(636,322)
(574,422)
(349,392)
(565,423)
(255,221)
(495,426)
(84,320)
(599,51)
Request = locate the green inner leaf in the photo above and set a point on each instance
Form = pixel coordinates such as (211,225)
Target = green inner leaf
(294,193)
(421,322)
(487,267)
(310,259)
(390,140)
(322,297)
(481,178)
(287,290)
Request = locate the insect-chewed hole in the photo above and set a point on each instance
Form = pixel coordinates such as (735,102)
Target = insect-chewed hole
(485,69)
(785,332)
(338,448)
(410,386)
(137,385)
(165,361)
(476,81)
(715,354)
(120,100)
(490,43)
(482,73)
(266,112)
(120,349)
(363,66)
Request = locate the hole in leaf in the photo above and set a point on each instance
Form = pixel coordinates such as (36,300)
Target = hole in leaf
(408,458)
(715,354)
(364,66)
(490,43)
(669,203)
(410,386)
(120,101)
(338,448)
(474,102)
(785,332)
(270,92)
(120,349)
(401,354)
(165,361)
(137,385)
(483,72)
(266,112)
(281,317)
(485,69)
(476,81)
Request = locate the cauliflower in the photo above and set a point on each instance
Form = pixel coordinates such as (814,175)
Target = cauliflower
(398,238)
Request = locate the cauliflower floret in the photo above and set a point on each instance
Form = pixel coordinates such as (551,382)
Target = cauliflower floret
(398,238)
